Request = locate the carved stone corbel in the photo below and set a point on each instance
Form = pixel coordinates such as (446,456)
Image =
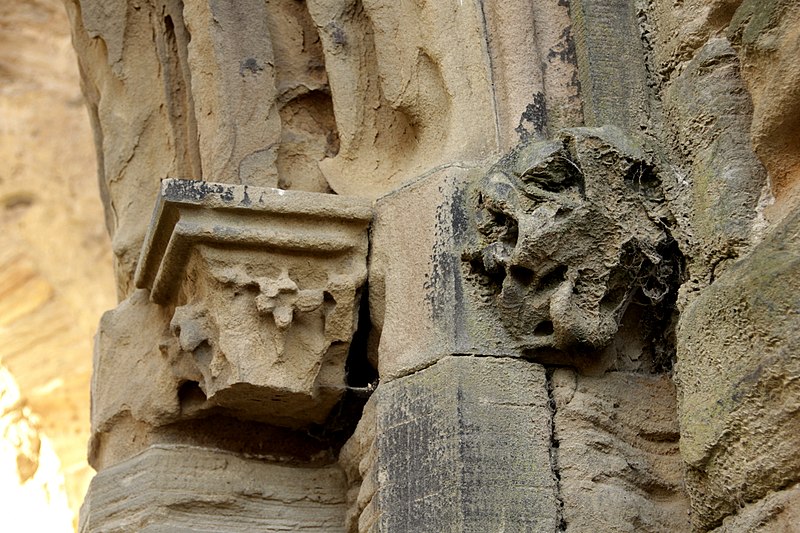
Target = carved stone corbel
(264,289)
(568,234)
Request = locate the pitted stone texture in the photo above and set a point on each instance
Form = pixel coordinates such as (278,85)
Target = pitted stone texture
(617,455)
(738,377)
(263,287)
(464,445)
(710,112)
(182,488)
(767,36)
(561,240)
(569,234)
(778,512)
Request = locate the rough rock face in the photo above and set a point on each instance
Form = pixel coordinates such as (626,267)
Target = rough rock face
(177,488)
(617,454)
(576,293)
(595,189)
(740,403)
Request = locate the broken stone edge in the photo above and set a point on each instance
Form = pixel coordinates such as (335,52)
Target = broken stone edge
(192,212)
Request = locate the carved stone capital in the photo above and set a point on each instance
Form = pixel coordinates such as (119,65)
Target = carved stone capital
(264,288)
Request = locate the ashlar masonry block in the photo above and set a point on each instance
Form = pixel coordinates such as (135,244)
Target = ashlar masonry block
(263,285)
(464,445)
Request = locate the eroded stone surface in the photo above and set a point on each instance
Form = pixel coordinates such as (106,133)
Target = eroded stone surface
(610,59)
(563,252)
(184,488)
(767,35)
(711,113)
(569,232)
(617,456)
(776,512)
(738,373)
(263,287)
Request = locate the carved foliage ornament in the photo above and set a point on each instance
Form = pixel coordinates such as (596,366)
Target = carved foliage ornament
(569,233)
(265,286)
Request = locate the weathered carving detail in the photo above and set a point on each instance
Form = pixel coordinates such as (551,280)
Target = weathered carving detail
(265,289)
(569,233)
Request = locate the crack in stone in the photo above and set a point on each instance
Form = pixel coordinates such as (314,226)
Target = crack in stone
(561,523)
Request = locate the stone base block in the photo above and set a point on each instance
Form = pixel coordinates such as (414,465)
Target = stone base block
(464,445)
(618,453)
(189,489)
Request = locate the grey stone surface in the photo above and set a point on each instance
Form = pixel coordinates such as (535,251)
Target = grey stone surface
(421,305)
(617,456)
(464,446)
(611,63)
(566,235)
(710,112)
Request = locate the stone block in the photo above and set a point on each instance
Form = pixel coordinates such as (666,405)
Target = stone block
(233,87)
(464,445)
(617,455)
(412,89)
(186,488)
(263,287)
(423,306)
(766,36)
(778,512)
(710,112)
(738,377)
(611,63)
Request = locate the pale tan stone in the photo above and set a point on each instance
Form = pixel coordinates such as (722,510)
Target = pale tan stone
(263,287)
(778,512)
(357,459)
(412,102)
(56,274)
(767,35)
(411,87)
(233,87)
(188,488)
(617,455)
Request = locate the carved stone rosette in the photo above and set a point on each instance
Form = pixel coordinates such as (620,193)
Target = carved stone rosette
(264,287)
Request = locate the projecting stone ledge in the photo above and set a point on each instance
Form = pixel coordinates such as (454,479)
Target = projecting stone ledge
(263,289)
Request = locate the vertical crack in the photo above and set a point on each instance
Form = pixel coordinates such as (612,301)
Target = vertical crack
(561,523)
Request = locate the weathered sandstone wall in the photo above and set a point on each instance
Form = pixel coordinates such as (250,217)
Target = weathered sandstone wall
(554,244)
